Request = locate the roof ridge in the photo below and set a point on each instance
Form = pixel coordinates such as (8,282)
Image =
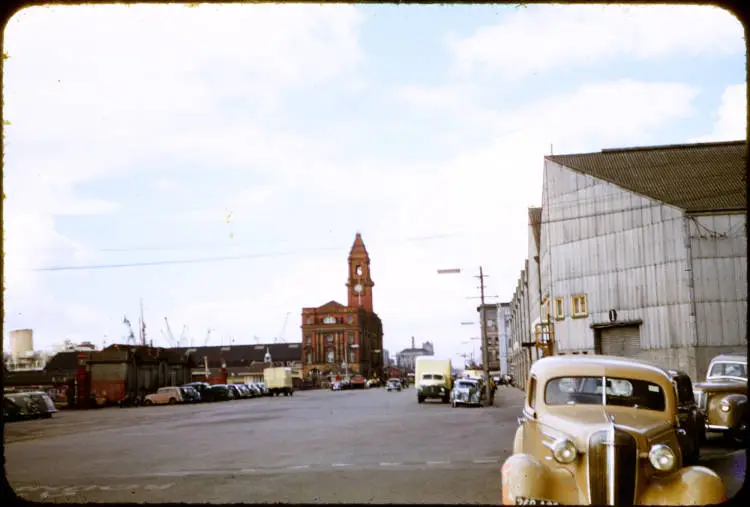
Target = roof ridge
(681,146)
(654,147)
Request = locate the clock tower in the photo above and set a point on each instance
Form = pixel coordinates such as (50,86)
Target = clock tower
(359,282)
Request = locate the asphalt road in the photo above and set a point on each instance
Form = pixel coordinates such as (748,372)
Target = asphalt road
(318,446)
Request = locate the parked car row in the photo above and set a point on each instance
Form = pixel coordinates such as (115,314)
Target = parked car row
(203,392)
(27,405)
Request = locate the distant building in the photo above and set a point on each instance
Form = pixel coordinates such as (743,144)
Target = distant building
(489,313)
(386,358)
(337,339)
(243,363)
(504,334)
(22,355)
(406,358)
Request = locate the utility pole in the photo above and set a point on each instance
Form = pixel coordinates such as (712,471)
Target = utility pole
(485,350)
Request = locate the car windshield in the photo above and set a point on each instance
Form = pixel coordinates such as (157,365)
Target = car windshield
(620,392)
(729,370)
(465,385)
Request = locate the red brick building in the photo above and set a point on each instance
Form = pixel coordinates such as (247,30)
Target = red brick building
(338,338)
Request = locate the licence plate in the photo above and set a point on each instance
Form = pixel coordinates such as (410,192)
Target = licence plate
(522,500)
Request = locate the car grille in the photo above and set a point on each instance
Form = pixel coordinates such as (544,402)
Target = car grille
(625,469)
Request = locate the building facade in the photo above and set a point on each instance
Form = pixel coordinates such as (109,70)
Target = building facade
(643,253)
(489,312)
(526,305)
(406,359)
(338,339)
(504,335)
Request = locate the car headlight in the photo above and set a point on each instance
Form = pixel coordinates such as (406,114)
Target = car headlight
(725,407)
(662,458)
(564,451)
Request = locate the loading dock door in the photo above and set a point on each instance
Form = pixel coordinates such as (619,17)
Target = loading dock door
(622,341)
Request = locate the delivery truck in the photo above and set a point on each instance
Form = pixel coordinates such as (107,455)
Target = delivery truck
(278,381)
(432,378)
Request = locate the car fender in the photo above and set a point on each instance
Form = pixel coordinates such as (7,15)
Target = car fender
(693,485)
(525,476)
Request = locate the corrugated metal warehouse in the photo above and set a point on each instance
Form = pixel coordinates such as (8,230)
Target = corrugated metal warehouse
(643,252)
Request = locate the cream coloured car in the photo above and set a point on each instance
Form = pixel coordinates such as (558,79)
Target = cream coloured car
(602,430)
(164,396)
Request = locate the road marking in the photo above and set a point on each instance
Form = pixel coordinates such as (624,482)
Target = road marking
(341,465)
(389,464)
(438,462)
(61,491)
(485,461)
(248,470)
(298,467)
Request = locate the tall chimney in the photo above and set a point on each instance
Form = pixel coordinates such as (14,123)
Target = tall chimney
(412,343)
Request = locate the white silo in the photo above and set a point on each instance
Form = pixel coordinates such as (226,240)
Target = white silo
(21,343)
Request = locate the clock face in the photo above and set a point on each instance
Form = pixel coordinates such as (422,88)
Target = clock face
(359,270)
(358,288)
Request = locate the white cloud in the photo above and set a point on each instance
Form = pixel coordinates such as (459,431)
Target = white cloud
(93,91)
(544,39)
(127,104)
(731,118)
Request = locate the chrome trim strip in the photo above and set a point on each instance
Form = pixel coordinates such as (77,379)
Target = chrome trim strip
(716,427)
(611,471)
(588,467)
(548,445)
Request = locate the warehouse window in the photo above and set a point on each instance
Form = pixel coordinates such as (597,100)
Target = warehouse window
(309,357)
(579,306)
(329,338)
(330,357)
(351,356)
(351,338)
(559,309)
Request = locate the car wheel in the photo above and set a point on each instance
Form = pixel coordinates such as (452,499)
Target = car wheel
(172,401)
(148,402)
(739,435)
(420,399)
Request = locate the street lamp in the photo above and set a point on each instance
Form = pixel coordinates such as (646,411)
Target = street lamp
(485,354)
(346,359)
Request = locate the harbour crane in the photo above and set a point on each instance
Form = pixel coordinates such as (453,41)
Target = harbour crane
(283,329)
(184,335)
(169,335)
(131,334)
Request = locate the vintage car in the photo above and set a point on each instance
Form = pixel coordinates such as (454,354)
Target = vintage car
(601,430)
(723,397)
(394,385)
(691,421)
(164,395)
(27,405)
(467,392)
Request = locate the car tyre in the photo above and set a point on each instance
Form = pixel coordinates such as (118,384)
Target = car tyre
(420,399)
(148,402)
(739,434)
(172,401)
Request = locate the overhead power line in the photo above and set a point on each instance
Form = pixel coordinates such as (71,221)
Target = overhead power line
(219,258)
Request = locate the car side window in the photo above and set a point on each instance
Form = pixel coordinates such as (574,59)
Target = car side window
(532,392)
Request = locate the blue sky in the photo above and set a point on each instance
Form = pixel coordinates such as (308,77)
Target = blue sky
(285,130)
